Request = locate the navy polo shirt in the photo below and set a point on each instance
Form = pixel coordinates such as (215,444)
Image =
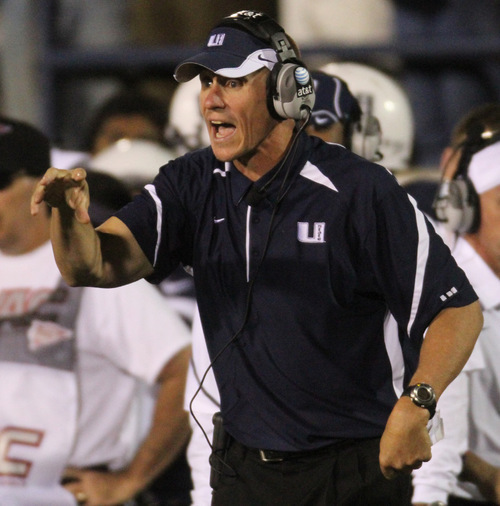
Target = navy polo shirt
(314,300)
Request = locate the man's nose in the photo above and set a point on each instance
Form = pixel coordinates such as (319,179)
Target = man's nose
(213,98)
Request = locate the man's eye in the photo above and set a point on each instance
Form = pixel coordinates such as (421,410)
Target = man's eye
(205,81)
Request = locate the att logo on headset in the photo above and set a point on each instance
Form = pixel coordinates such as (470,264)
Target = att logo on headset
(302,77)
(304,91)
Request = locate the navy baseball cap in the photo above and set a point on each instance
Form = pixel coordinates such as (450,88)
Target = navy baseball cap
(229,52)
(334,101)
(23,150)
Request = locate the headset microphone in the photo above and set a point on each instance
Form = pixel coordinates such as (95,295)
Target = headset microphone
(255,195)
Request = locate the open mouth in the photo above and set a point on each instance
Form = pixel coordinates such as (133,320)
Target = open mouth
(222,130)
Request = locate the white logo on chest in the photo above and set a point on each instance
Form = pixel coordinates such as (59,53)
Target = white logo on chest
(304,230)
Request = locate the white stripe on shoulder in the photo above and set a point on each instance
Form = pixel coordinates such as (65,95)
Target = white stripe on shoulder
(151,189)
(422,257)
(312,172)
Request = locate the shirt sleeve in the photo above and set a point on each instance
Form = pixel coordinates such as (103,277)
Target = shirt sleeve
(414,268)
(161,216)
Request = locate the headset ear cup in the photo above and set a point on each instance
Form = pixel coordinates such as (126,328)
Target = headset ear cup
(288,98)
(290,94)
(366,138)
(458,206)
(272,91)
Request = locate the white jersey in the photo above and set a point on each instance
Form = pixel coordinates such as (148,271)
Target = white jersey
(79,414)
(469,406)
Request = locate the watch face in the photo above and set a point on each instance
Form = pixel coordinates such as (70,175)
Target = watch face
(424,394)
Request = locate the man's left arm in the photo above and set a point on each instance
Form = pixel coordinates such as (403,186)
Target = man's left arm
(449,341)
(168,435)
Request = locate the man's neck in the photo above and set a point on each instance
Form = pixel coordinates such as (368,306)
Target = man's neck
(271,150)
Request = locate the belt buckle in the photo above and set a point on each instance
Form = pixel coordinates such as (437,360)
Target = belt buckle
(267,456)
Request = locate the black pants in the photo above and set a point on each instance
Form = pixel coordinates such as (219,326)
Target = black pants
(346,474)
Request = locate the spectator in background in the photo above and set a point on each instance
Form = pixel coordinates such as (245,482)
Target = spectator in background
(126,115)
(72,359)
(465,467)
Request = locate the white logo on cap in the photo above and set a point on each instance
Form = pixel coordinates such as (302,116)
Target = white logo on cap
(217,39)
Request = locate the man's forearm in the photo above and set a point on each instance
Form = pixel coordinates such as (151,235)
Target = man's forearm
(447,346)
(77,249)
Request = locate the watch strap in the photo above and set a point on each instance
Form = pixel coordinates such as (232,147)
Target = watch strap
(429,406)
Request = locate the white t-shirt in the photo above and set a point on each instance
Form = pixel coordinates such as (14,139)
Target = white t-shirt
(124,336)
(469,406)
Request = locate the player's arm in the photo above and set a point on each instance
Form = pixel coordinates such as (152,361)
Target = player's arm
(168,435)
(483,474)
(448,344)
(109,256)
(170,428)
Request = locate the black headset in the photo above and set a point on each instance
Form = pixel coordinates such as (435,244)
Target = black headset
(456,203)
(290,87)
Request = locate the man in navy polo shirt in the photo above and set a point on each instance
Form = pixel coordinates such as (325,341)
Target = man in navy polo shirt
(316,278)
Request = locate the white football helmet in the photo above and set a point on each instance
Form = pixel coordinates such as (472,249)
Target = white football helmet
(185,119)
(380,95)
(135,162)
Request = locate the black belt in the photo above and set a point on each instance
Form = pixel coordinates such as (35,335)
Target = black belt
(280,456)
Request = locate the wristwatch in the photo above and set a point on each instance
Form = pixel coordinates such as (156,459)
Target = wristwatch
(423,396)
